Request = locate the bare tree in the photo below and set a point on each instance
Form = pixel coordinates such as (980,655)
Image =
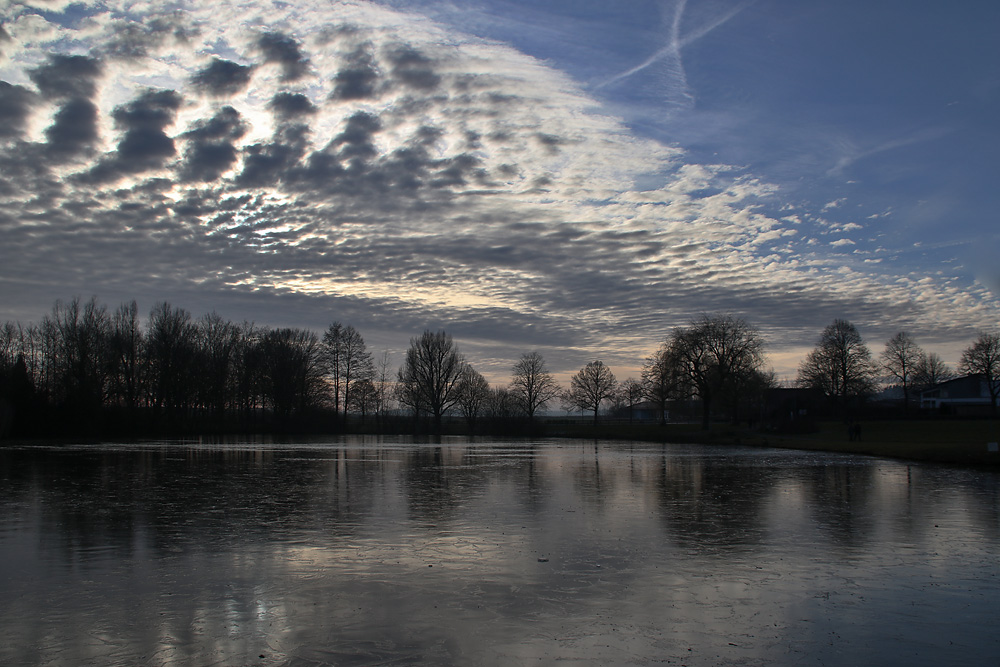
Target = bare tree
(292,371)
(531,384)
(501,406)
(81,332)
(840,365)
(899,360)
(364,398)
(930,370)
(170,351)
(718,355)
(347,361)
(248,372)
(663,378)
(429,376)
(383,386)
(126,356)
(631,393)
(217,342)
(473,394)
(983,358)
(590,387)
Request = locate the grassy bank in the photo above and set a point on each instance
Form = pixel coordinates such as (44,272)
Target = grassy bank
(938,441)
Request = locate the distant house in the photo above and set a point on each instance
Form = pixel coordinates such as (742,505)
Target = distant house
(967,395)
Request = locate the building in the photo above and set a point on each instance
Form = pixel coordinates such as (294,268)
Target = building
(966,395)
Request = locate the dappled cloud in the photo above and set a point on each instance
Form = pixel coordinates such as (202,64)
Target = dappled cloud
(368,161)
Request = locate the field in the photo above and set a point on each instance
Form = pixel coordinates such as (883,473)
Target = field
(943,441)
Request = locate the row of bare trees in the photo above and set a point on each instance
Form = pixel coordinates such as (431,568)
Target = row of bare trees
(843,368)
(83,360)
(718,359)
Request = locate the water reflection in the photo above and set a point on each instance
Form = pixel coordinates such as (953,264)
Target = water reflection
(361,551)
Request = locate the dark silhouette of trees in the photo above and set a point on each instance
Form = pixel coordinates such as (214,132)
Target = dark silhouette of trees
(429,377)
(930,370)
(347,361)
(364,398)
(473,395)
(531,385)
(17,383)
(292,377)
(126,349)
(383,387)
(630,393)
(248,373)
(171,375)
(501,409)
(899,360)
(663,378)
(840,366)
(591,387)
(983,358)
(217,343)
(78,334)
(718,356)
(86,371)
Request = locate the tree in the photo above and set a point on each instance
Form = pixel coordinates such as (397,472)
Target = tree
(217,344)
(473,395)
(429,376)
(501,406)
(590,387)
(248,371)
(840,365)
(80,333)
(630,392)
(347,361)
(382,386)
(291,371)
(983,358)
(899,360)
(364,398)
(718,355)
(663,378)
(170,351)
(929,371)
(126,356)
(531,384)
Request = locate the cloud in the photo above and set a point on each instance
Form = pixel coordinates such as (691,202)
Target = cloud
(412,68)
(222,77)
(372,167)
(144,144)
(16,103)
(74,128)
(357,79)
(211,149)
(131,40)
(66,76)
(5,39)
(291,105)
(286,52)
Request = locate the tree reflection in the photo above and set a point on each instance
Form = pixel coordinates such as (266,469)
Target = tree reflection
(841,498)
(713,504)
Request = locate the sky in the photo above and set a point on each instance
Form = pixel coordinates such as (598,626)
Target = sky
(575,177)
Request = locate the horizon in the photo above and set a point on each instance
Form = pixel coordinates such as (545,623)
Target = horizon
(573,178)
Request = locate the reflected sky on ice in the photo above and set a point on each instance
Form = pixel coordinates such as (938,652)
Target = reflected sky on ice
(369,551)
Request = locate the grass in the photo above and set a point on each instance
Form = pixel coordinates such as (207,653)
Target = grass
(959,441)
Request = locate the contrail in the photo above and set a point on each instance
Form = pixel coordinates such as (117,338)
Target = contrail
(676,43)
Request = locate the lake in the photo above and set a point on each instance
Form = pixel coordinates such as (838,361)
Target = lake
(390,551)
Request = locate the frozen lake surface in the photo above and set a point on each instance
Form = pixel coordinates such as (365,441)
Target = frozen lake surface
(365,551)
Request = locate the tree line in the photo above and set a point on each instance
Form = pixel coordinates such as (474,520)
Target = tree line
(87,369)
